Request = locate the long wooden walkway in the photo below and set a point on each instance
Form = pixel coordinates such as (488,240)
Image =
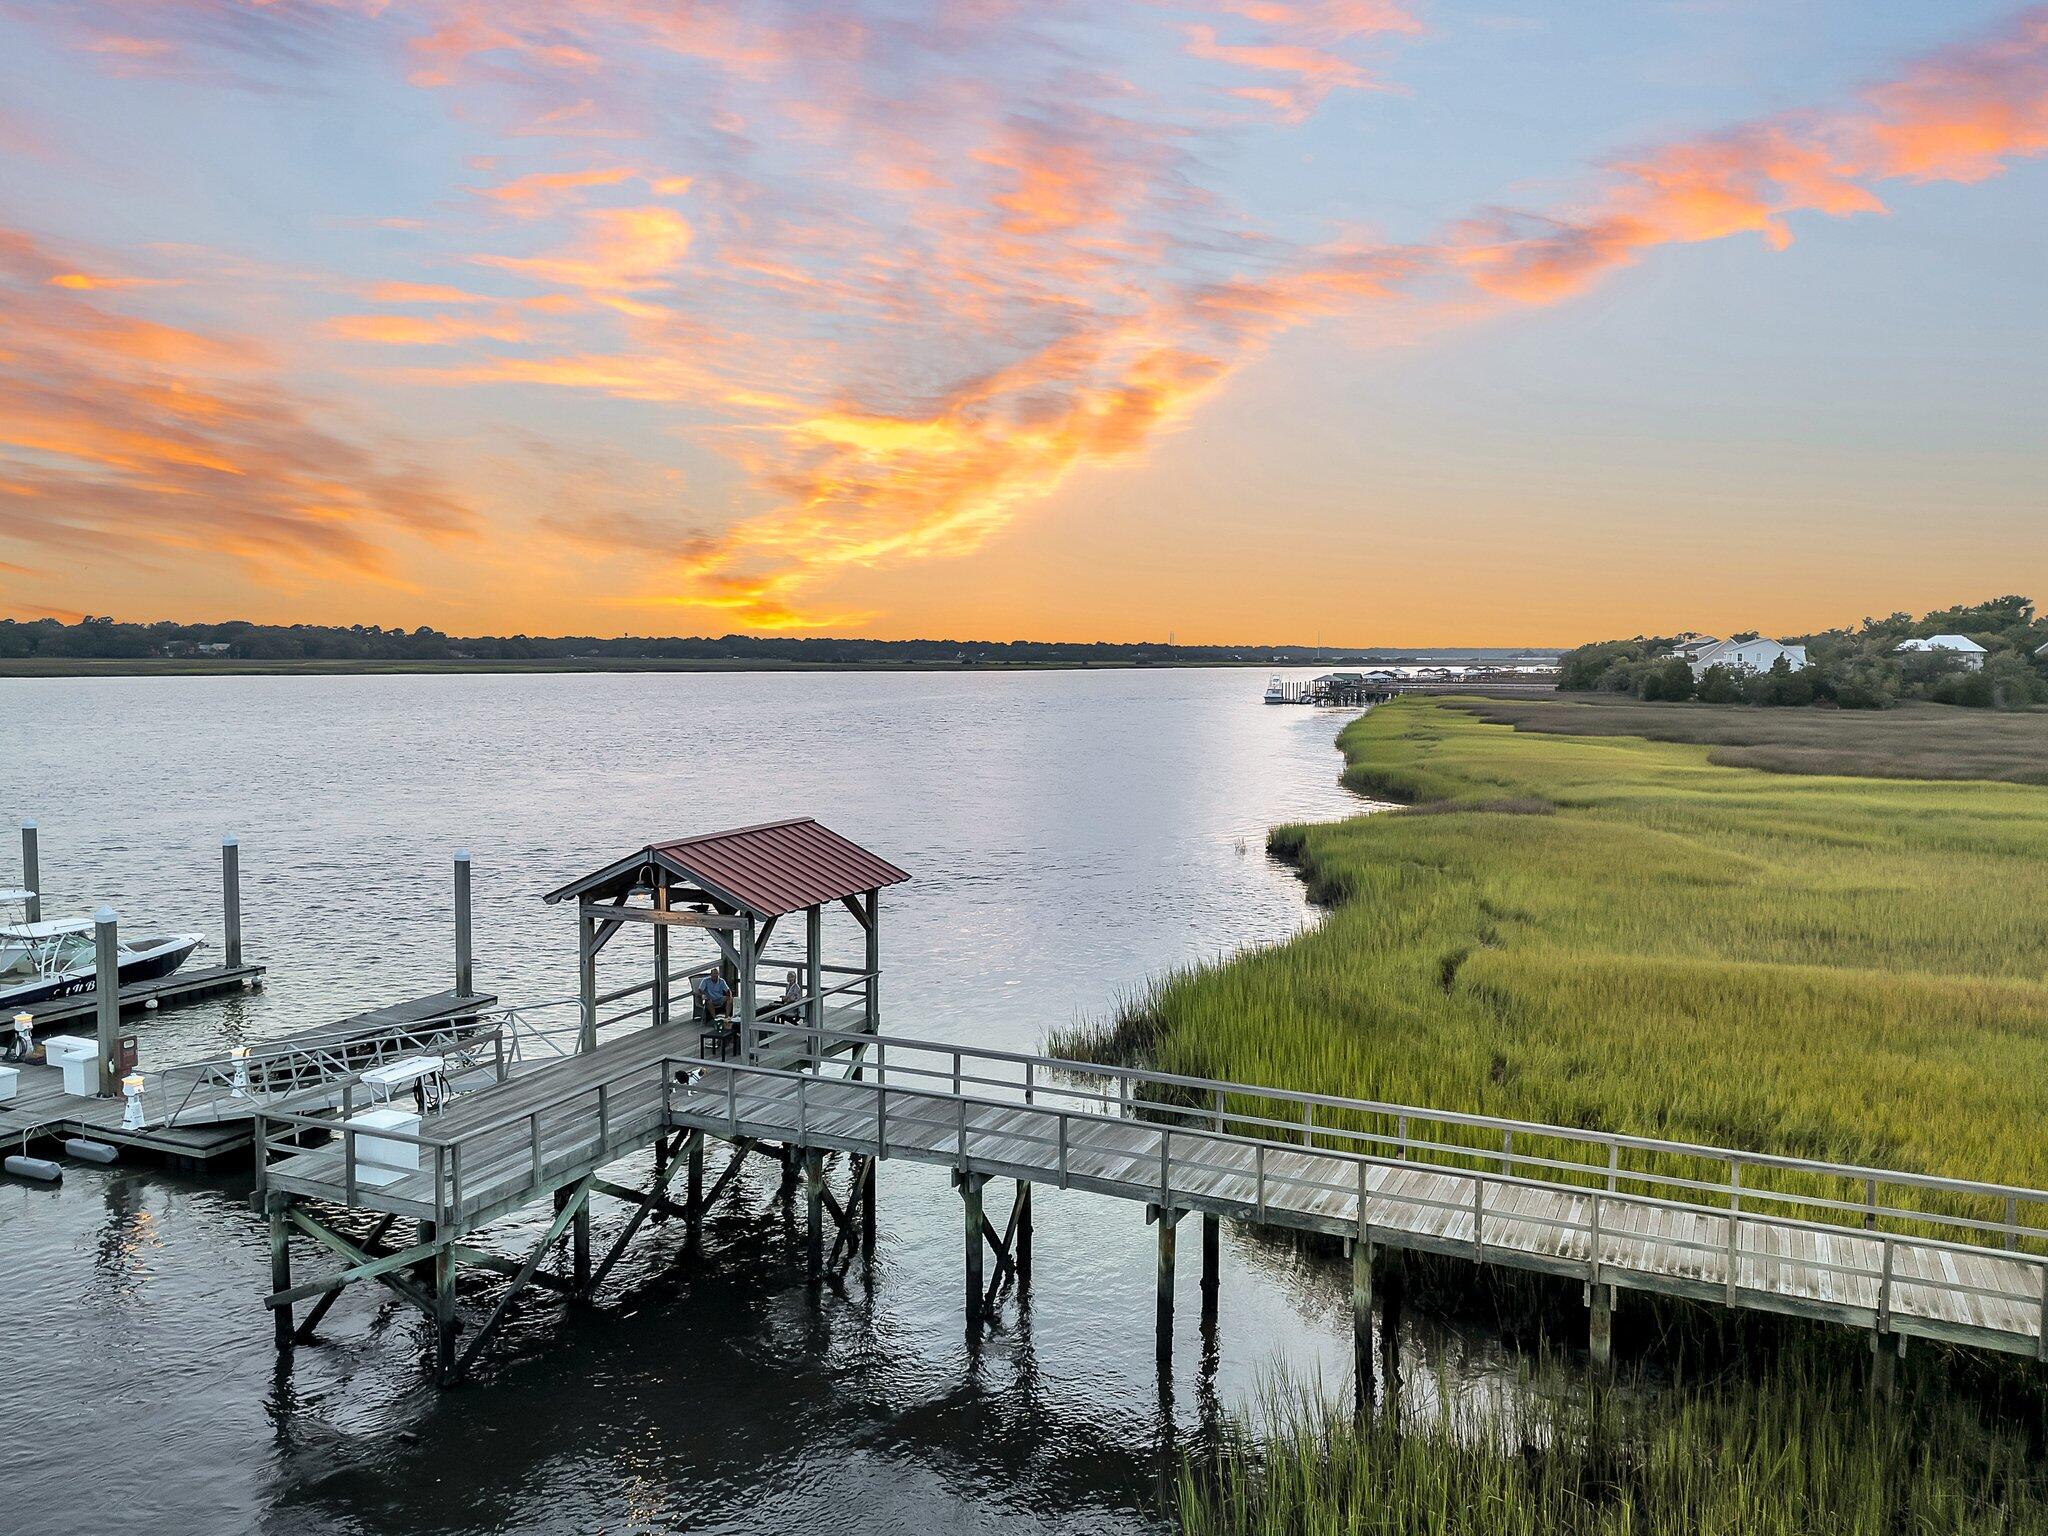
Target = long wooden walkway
(1898,1253)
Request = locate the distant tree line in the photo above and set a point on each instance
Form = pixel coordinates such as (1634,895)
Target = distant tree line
(110,639)
(1859,668)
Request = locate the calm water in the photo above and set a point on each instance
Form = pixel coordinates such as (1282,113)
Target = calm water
(1069,834)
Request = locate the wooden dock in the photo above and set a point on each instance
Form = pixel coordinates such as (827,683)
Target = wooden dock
(1898,1254)
(179,987)
(196,1111)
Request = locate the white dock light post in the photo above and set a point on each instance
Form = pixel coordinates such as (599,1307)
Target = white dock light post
(107,992)
(463,976)
(31,870)
(131,1106)
(24,1034)
(231,896)
(239,1055)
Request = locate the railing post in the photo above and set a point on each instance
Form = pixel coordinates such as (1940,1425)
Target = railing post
(1613,1164)
(1884,1291)
(1401,1138)
(1216,1114)
(440,1173)
(533,1139)
(803,1111)
(881,1121)
(1165,1166)
(1734,1249)
(263,1158)
(1507,1150)
(1478,1212)
(1030,1082)
(732,1100)
(454,1181)
(1593,1248)
(348,1166)
(2012,1222)
(604,1116)
(1063,1147)
(961,1105)
(1259,1175)
(956,1072)
(1870,1205)
(1308,1124)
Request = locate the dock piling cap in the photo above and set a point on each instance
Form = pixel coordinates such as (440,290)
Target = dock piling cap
(106,915)
(231,841)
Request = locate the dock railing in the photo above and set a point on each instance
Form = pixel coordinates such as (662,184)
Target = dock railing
(1279,1154)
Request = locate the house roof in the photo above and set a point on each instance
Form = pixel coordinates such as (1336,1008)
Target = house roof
(770,869)
(1943,643)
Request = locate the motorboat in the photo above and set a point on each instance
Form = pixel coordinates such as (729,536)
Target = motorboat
(1276,690)
(39,961)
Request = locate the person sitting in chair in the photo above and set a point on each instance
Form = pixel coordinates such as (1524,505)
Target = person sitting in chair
(717,995)
(792,988)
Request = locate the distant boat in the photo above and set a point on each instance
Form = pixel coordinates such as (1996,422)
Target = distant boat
(1276,690)
(39,961)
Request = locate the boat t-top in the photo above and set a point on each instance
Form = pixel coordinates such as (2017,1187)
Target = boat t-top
(39,961)
(1276,690)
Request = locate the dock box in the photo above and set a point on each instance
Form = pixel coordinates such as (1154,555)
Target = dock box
(10,1080)
(78,1059)
(385,1152)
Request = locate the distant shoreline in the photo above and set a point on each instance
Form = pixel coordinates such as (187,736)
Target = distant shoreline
(160,666)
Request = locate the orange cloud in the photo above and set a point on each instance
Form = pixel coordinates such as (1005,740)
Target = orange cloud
(424,330)
(540,193)
(622,250)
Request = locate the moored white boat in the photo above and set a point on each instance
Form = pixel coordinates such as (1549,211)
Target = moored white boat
(40,961)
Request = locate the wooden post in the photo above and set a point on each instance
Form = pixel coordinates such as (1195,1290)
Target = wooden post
(874,961)
(280,1274)
(970,1203)
(696,1177)
(1212,1245)
(661,1000)
(1361,1322)
(586,979)
(1600,1329)
(749,963)
(867,1206)
(1163,1313)
(1022,1253)
(463,973)
(32,870)
(1391,1284)
(580,1238)
(814,1202)
(231,899)
(444,1312)
(107,994)
(814,976)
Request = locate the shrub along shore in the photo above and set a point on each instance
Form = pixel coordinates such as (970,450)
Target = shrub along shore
(1621,934)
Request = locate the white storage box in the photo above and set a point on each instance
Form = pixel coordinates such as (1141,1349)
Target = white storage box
(385,1152)
(78,1059)
(10,1080)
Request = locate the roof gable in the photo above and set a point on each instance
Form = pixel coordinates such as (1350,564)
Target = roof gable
(770,869)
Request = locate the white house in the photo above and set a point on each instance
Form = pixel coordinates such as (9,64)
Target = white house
(1747,656)
(1967,652)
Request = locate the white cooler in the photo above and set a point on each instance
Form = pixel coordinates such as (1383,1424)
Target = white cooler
(381,1159)
(78,1059)
(10,1080)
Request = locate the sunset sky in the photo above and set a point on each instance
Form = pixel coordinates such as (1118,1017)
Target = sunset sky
(1240,320)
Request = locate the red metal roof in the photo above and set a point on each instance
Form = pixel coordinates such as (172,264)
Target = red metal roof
(778,867)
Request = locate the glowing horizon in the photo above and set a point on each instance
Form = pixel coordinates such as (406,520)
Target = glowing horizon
(1249,320)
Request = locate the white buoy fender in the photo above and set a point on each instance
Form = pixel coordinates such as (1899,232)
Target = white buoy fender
(33,1168)
(91,1151)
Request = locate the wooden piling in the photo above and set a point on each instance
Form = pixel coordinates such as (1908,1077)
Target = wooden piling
(1392,1284)
(870,1180)
(1021,1255)
(1600,1330)
(106,994)
(1212,1247)
(695,1175)
(32,869)
(281,1276)
(444,1311)
(463,971)
(1361,1322)
(231,900)
(970,1203)
(1163,1316)
(579,1233)
(814,1202)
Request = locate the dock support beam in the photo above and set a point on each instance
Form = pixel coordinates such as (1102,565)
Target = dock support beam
(280,1277)
(1600,1329)
(32,870)
(1163,1312)
(1020,1254)
(1361,1323)
(871,1179)
(814,1212)
(231,899)
(874,961)
(696,1177)
(106,993)
(579,1236)
(586,979)
(970,1203)
(463,973)
(444,1313)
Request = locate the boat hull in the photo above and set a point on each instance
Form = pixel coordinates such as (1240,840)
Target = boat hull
(152,964)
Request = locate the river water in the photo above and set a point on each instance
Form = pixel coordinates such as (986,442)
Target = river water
(1069,835)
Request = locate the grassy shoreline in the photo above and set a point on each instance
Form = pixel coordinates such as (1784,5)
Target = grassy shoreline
(1609,931)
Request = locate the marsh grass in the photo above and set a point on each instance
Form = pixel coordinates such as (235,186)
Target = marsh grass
(1783,1453)
(1834,968)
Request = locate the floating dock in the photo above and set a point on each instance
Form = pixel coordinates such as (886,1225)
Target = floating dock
(179,987)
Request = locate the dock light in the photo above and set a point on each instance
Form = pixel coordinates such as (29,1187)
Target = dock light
(239,1055)
(131,1108)
(24,1033)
